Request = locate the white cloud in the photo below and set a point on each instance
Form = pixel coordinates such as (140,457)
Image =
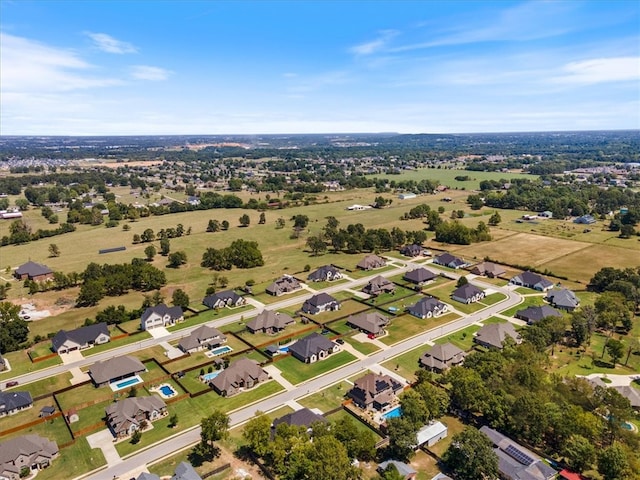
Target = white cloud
(146,72)
(600,70)
(376,45)
(108,44)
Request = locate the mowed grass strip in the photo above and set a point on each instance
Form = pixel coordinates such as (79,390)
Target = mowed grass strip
(296,371)
(74,461)
(22,364)
(327,399)
(532,301)
(463,339)
(366,348)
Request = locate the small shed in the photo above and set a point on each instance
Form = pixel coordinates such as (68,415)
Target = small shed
(431,434)
(72,415)
(47,411)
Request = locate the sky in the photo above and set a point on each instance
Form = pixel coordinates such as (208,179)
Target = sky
(274,67)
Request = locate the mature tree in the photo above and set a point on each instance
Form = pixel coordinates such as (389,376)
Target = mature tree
(495,219)
(148,235)
(263,219)
(462,281)
(136,437)
(300,221)
(54,250)
(91,292)
(280,222)
(213,226)
(177,258)
(316,245)
(244,220)
(402,437)
(180,298)
(391,473)
(214,428)
(359,444)
(613,463)
(257,433)
(615,349)
(225,225)
(323,459)
(216,259)
(4,289)
(13,329)
(471,456)
(165,247)
(150,252)
(475,202)
(579,452)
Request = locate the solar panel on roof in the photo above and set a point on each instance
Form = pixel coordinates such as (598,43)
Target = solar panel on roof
(519,455)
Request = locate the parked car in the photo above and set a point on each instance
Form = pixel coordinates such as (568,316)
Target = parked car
(339,341)
(12,383)
(371,336)
(325,332)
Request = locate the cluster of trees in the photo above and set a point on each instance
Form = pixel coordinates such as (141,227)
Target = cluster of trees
(118,279)
(323,453)
(511,391)
(149,235)
(20,232)
(459,234)
(240,254)
(625,281)
(14,331)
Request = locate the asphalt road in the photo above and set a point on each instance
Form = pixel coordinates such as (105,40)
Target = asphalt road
(182,440)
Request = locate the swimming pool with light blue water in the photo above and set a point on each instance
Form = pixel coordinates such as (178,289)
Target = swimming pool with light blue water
(395,413)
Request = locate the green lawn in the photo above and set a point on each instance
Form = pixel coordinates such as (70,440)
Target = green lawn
(366,348)
(26,416)
(296,371)
(462,339)
(209,315)
(262,339)
(21,364)
(358,273)
(399,294)
(347,307)
(406,326)
(82,394)
(361,426)
(407,364)
(48,385)
(41,349)
(493,298)
(54,429)
(327,399)
(494,320)
(90,416)
(74,460)
(454,426)
(467,308)
(528,302)
(116,343)
(402,303)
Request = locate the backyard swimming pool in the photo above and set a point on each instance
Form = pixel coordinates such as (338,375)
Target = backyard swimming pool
(394,413)
(207,377)
(220,350)
(115,386)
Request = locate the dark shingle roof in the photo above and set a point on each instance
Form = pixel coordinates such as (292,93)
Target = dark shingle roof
(162,310)
(419,275)
(466,291)
(104,371)
(535,314)
(322,272)
(33,269)
(320,299)
(80,335)
(425,305)
(311,344)
(225,295)
(302,418)
(12,400)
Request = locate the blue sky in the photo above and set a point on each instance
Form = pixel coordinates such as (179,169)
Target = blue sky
(249,67)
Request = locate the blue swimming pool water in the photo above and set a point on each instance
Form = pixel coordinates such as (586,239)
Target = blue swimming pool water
(395,413)
(126,383)
(167,390)
(221,350)
(283,349)
(207,377)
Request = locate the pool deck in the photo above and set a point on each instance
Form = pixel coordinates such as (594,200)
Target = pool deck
(114,386)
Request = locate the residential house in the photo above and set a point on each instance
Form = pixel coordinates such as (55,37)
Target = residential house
(14,402)
(193,200)
(420,276)
(285,284)
(129,414)
(629,392)
(516,462)
(441,357)
(413,250)
(468,293)
(428,307)
(371,262)
(448,260)
(431,434)
(322,302)
(242,374)
(147,476)
(80,338)
(585,220)
(563,298)
(27,451)
(532,280)
(226,298)
(160,316)
(488,269)
(379,285)
(270,322)
(114,369)
(300,418)
(313,348)
(532,315)
(202,338)
(33,271)
(184,471)
(371,323)
(493,335)
(326,273)
(374,391)
(405,471)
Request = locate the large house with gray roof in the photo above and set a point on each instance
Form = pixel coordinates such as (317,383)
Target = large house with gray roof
(516,462)
(326,273)
(468,293)
(379,285)
(13,402)
(428,307)
(202,338)
(226,298)
(36,272)
(420,276)
(493,335)
(448,260)
(129,414)
(371,262)
(563,299)
(300,418)
(488,269)
(441,357)
(534,314)
(322,302)
(160,316)
(285,284)
(269,322)
(80,338)
(184,471)
(114,369)
(532,280)
(375,392)
(240,375)
(32,452)
(371,323)
(313,348)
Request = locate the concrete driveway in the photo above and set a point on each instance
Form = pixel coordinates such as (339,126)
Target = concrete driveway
(104,441)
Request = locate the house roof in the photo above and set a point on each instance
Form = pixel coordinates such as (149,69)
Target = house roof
(438,355)
(402,468)
(33,269)
(236,373)
(285,282)
(321,273)
(28,445)
(302,418)
(117,367)
(370,386)
(147,476)
(535,314)
(630,393)
(429,431)
(311,344)
(419,275)
(426,305)
(531,278)
(225,295)
(372,322)
(489,267)
(162,310)
(184,471)
(371,261)
(466,291)
(411,250)
(80,335)
(378,283)
(125,410)
(270,319)
(563,298)
(12,400)
(200,336)
(447,259)
(320,299)
(495,334)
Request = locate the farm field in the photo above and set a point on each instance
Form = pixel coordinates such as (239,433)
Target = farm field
(447,177)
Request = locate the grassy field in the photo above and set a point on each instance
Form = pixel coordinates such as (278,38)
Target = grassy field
(296,371)
(365,348)
(406,326)
(327,399)
(462,339)
(73,461)
(407,364)
(532,301)
(21,364)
